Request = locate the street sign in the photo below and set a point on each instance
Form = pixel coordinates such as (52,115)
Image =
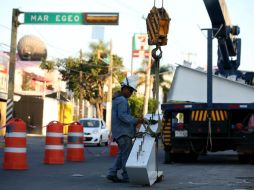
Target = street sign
(71,18)
(53,18)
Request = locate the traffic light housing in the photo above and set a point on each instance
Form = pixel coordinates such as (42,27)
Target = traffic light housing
(101,18)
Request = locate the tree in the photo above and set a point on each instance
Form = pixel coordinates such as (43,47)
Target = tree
(142,73)
(47,65)
(137,104)
(163,83)
(95,74)
(100,52)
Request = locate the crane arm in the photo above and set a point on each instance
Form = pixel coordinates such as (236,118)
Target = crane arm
(229,45)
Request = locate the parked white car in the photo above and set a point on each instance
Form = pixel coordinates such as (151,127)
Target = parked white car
(95,131)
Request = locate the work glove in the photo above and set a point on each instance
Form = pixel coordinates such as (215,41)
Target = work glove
(140,120)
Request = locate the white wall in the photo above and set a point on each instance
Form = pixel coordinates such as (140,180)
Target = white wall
(50,112)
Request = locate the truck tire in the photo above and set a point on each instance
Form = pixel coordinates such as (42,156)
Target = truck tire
(244,158)
(193,157)
(167,157)
(184,157)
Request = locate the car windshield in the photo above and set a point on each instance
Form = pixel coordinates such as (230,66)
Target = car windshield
(90,123)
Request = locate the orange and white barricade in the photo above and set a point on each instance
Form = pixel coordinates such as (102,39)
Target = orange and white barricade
(75,144)
(15,145)
(54,145)
(113,147)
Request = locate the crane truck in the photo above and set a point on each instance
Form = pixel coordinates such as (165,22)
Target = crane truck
(214,110)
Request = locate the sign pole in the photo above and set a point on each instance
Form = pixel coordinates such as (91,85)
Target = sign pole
(10,102)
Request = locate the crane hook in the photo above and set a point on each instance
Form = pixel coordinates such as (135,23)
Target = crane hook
(155,55)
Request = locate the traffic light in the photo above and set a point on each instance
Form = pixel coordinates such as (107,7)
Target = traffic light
(101,18)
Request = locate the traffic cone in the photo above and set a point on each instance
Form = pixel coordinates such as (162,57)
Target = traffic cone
(15,145)
(54,145)
(75,145)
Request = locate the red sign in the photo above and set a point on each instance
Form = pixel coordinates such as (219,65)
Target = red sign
(140,53)
(140,46)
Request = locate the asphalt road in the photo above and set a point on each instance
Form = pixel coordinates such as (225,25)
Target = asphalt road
(215,171)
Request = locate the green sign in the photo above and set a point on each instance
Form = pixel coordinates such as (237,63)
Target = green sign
(53,18)
(71,18)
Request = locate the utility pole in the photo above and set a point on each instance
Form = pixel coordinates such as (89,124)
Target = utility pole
(14,29)
(147,83)
(132,56)
(109,94)
(80,88)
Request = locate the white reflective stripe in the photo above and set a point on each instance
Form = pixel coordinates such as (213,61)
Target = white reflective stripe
(75,134)
(15,150)
(50,134)
(16,134)
(54,147)
(75,146)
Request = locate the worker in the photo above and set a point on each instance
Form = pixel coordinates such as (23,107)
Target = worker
(123,126)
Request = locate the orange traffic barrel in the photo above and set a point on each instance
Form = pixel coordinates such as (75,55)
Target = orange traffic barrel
(113,147)
(15,145)
(54,145)
(251,123)
(75,144)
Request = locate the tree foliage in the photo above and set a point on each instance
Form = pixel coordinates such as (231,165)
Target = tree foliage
(89,73)
(137,103)
(152,105)
(163,83)
(47,65)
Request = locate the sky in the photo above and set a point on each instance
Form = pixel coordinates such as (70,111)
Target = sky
(186,41)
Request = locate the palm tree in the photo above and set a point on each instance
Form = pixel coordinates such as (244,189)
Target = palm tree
(94,74)
(164,83)
(47,65)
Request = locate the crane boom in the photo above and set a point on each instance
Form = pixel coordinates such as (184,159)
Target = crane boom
(229,45)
